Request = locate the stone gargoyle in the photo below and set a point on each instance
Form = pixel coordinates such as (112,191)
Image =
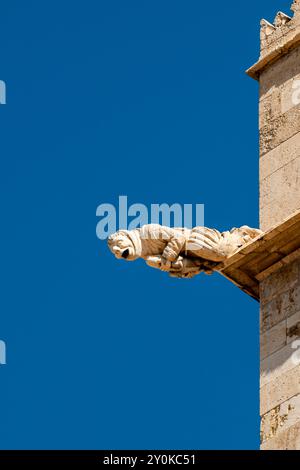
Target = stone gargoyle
(181,252)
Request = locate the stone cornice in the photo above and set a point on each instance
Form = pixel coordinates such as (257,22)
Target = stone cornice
(277,39)
(263,256)
(282,47)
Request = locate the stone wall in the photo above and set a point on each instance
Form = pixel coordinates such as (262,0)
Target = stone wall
(280,140)
(280,359)
(278,71)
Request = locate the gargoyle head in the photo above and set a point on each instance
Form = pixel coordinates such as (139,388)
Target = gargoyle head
(122,245)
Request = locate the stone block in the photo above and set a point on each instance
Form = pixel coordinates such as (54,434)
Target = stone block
(276,392)
(282,361)
(279,129)
(273,340)
(284,305)
(279,73)
(282,189)
(286,440)
(279,282)
(280,418)
(278,158)
(293,328)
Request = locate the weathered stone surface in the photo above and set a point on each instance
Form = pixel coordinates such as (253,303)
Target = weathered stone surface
(281,307)
(280,418)
(279,130)
(273,340)
(277,159)
(270,107)
(280,390)
(277,75)
(270,252)
(286,440)
(293,328)
(277,40)
(271,214)
(290,91)
(281,203)
(279,88)
(277,364)
(280,140)
(278,72)
(279,282)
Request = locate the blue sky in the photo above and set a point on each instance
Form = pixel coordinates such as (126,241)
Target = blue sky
(148,100)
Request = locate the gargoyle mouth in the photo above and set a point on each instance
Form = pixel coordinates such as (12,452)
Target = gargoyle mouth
(125,254)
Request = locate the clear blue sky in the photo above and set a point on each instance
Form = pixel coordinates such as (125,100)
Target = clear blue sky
(108,354)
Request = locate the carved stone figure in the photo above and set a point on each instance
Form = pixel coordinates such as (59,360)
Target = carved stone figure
(181,252)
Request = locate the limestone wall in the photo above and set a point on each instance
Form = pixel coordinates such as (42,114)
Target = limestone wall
(280,359)
(280,140)
(278,72)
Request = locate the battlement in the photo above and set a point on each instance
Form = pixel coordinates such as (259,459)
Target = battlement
(277,39)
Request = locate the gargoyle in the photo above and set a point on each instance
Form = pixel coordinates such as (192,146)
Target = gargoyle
(181,252)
